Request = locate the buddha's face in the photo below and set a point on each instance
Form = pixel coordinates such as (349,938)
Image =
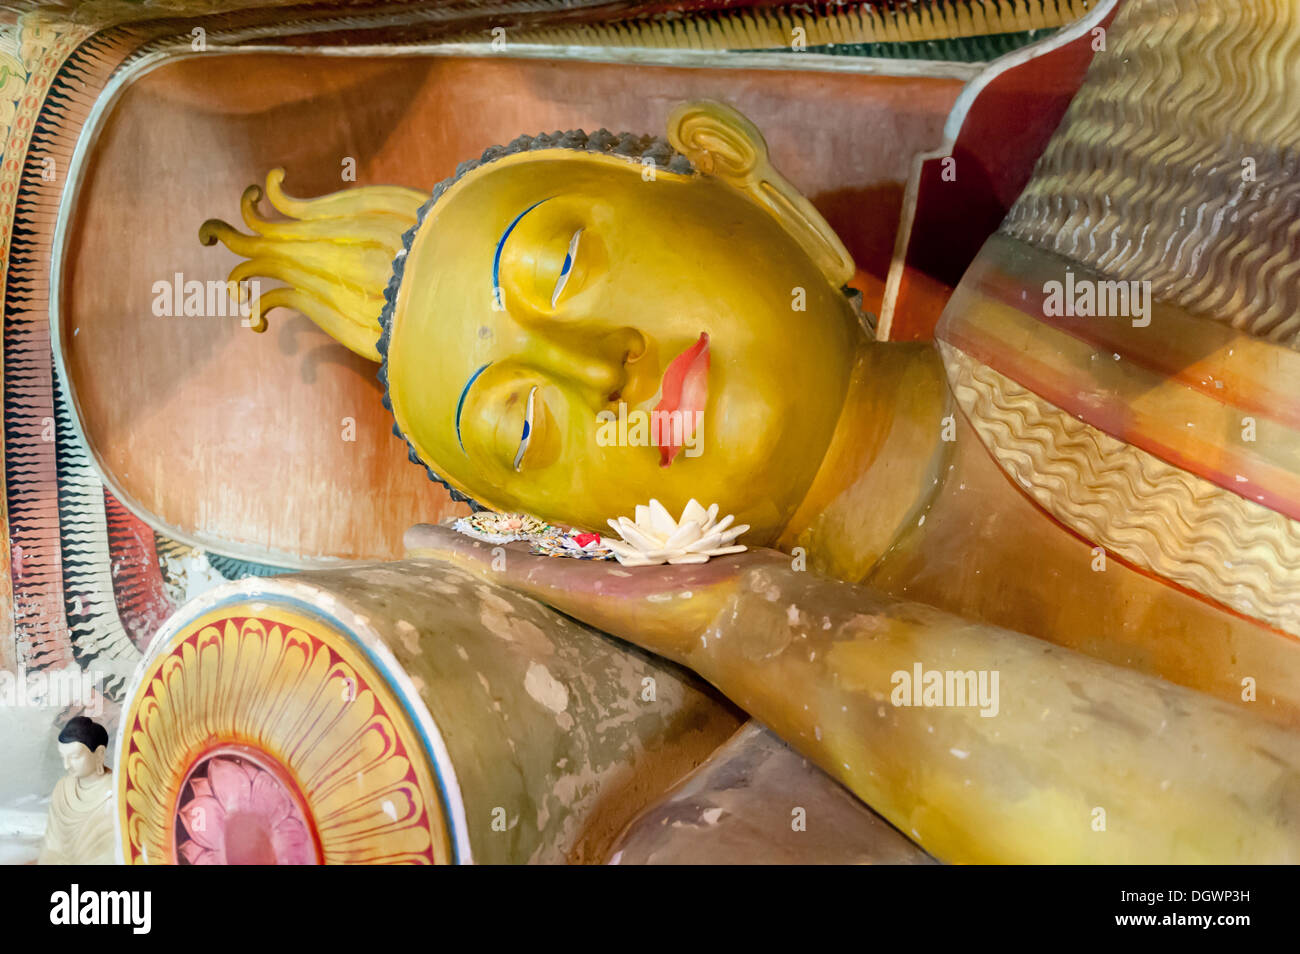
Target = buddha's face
(79,761)
(572,338)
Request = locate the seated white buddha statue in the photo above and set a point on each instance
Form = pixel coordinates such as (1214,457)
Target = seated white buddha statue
(80,828)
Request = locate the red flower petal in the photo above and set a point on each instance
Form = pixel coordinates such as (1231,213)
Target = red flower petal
(192,851)
(205,821)
(269,800)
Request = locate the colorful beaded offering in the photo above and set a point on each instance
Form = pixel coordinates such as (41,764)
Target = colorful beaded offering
(547,539)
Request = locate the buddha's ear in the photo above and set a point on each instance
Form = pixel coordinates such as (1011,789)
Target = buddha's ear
(723,144)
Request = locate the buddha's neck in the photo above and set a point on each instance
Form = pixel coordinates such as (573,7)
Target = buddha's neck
(885,460)
(87,793)
(93,780)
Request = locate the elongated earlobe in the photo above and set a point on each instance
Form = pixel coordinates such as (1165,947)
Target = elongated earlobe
(723,144)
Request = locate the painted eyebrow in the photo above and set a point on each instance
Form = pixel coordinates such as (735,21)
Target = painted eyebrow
(460,405)
(501,243)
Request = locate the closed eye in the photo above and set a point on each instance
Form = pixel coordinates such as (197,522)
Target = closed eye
(567,268)
(528,428)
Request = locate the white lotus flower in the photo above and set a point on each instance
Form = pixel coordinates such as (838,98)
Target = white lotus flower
(654,537)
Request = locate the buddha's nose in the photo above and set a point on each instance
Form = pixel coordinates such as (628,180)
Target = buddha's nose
(594,359)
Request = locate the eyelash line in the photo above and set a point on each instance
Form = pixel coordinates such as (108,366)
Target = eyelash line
(528,428)
(566,268)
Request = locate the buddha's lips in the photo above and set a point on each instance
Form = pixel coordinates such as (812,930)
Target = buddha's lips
(685,388)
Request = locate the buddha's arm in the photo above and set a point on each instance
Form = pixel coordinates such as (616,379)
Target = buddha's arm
(54,843)
(1077,760)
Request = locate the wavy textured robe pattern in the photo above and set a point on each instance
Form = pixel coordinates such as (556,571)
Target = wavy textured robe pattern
(1174,445)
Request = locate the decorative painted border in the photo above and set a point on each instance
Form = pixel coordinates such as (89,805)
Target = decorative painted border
(35,53)
(347,635)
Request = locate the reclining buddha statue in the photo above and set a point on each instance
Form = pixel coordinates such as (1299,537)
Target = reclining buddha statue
(1087,494)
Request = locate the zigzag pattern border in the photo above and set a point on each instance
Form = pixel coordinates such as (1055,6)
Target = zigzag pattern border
(31,474)
(1153,515)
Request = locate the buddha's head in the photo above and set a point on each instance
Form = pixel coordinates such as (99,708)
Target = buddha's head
(576,324)
(83,747)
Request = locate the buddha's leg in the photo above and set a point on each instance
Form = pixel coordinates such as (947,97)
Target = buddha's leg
(1049,756)
(757,801)
(397,713)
